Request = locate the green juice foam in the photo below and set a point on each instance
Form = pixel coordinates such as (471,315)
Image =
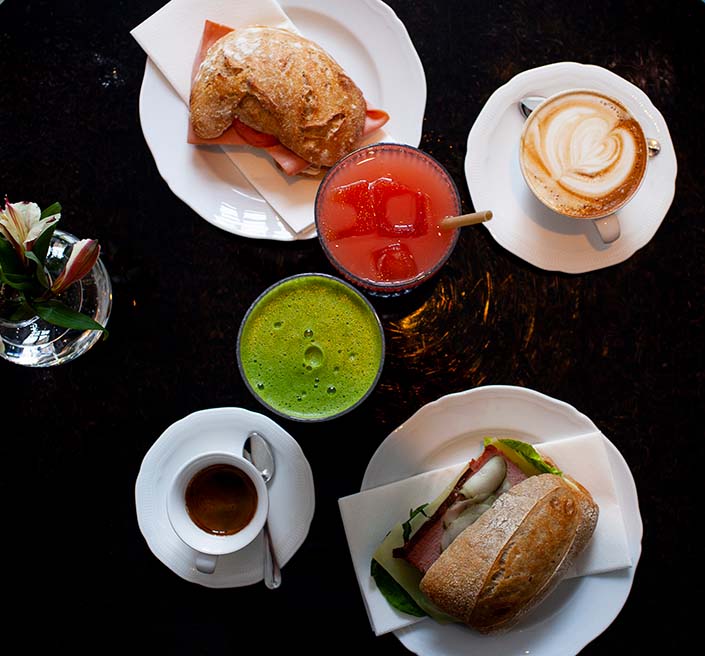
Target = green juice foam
(311,347)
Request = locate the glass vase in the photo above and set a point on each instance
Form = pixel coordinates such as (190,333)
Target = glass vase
(28,340)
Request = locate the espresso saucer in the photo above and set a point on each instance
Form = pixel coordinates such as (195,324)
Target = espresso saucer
(291,493)
(521,224)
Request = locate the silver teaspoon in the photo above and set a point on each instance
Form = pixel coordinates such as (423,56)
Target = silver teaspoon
(256,450)
(530,103)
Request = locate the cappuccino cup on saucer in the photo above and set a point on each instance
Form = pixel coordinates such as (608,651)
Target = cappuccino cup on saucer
(217,504)
(583,155)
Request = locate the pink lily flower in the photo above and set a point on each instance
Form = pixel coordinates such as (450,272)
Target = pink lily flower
(83,257)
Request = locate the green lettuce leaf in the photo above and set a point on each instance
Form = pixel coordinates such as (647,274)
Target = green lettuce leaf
(407,524)
(396,595)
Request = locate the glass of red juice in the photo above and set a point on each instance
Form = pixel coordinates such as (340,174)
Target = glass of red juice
(378,214)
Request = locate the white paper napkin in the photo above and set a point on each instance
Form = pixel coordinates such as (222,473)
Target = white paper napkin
(171,38)
(368,516)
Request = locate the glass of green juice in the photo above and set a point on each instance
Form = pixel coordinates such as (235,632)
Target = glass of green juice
(311,347)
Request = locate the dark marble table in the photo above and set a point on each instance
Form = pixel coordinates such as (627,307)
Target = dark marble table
(624,345)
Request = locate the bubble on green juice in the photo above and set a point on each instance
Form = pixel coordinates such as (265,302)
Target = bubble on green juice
(308,333)
(313,357)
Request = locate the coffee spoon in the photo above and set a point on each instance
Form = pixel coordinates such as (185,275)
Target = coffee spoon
(530,103)
(653,146)
(257,451)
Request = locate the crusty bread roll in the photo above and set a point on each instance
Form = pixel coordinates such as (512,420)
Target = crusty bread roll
(282,84)
(501,566)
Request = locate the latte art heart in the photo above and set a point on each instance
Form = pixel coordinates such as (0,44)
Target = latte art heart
(587,154)
(583,154)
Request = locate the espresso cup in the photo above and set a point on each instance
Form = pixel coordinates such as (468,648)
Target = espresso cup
(583,155)
(217,504)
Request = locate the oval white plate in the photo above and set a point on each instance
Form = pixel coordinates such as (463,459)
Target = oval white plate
(291,493)
(450,430)
(369,42)
(525,227)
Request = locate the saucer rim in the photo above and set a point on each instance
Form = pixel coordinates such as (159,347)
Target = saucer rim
(170,551)
(558,259)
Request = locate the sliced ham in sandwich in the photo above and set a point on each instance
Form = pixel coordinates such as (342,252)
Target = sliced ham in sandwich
(240,134)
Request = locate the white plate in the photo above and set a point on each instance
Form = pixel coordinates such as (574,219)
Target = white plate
(450,430)
(525,227)
(369,42)
(291,493)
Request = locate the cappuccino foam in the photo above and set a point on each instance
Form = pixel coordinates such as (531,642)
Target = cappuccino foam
(583,154)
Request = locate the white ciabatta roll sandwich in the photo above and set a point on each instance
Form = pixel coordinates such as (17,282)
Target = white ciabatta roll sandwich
(493,545)
(272,89)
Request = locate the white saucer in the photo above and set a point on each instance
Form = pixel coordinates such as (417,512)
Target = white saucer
(451,430)
(370,43)
(291,493)
(525,227)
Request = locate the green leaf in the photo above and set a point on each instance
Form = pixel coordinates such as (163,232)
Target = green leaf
(54,208)
(21,311)
(396,595)
(41,245)
(54,311)
(20,281)
(407,524)
(39,271)
(9,261)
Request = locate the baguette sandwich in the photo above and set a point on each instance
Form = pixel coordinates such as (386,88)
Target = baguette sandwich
(493,545)
(273,89)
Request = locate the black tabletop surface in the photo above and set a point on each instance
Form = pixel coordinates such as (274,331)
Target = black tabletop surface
(622,344)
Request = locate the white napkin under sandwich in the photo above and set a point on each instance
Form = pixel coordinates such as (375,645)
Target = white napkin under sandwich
(369,515)
(171,38)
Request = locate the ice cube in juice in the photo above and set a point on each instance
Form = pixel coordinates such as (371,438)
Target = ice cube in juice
(400,210)
(394,262)
(357,211)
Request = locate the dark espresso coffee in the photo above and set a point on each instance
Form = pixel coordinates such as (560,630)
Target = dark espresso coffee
(221,499)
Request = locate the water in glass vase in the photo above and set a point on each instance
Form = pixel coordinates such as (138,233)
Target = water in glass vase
(28,340)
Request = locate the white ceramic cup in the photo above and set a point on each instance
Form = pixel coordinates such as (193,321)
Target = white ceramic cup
(607,224)
(209,546)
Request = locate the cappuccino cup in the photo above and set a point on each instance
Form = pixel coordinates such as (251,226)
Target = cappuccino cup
(583,155)
(217,504)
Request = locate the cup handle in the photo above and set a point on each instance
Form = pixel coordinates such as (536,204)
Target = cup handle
(608,228)
(205,563)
